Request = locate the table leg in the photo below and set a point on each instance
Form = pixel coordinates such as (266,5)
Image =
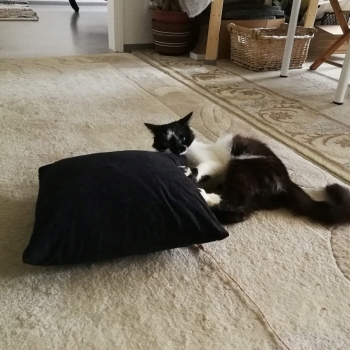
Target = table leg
(293,21)
(343,80)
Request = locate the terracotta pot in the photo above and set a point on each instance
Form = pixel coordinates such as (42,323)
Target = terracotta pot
(171,39)
(174,17)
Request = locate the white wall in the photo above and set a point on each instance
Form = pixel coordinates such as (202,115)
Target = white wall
(137,22)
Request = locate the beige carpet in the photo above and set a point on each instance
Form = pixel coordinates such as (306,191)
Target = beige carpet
(298,121)
(296,271)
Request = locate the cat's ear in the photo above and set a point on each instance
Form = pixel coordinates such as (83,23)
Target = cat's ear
(151,127)
(184,121)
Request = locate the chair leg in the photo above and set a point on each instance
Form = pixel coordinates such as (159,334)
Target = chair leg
(74,5)
(343,80)
(344,26)
(211,53)
(339,15)
(311,14)
(330,50)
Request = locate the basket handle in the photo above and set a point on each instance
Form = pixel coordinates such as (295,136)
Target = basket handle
(253,32)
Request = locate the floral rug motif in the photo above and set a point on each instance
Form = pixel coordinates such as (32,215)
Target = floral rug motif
(314,135)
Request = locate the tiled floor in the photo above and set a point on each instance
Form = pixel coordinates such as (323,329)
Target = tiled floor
(59,32)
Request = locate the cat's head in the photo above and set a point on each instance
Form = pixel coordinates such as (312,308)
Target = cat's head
(175,137)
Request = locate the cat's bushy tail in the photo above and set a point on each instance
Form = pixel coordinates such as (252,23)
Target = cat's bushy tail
(334,211)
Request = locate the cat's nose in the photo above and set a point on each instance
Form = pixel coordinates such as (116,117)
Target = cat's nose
(177,148)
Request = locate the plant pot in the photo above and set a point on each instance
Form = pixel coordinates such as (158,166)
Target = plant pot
(174,17)
(171,39)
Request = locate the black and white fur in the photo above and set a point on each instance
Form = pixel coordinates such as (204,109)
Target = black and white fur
(244,175)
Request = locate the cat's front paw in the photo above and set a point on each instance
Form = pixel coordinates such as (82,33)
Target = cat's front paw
(212,199)
(186,170)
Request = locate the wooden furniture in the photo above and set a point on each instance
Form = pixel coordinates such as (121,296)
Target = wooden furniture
(214,29)
(325,36)
(345,73)
(345,37)
(215,21)
(310,15)
(211,52)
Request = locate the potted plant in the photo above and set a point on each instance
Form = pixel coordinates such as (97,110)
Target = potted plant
(171,28)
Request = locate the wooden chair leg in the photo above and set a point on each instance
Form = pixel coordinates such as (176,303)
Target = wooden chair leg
(340,17)
(330,50)
(311,14)
(211,53)
(345,28)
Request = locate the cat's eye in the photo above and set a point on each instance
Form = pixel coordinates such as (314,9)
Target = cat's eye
(183,139)
(166,145)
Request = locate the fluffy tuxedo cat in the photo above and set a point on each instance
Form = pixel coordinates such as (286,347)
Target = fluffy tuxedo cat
(244,175)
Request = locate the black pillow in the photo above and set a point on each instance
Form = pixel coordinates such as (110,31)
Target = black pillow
(108,205)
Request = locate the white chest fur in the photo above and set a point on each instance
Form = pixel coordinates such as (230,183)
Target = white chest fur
(211,159)
(218,153)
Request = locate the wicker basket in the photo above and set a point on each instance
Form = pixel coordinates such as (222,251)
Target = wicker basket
(262,49)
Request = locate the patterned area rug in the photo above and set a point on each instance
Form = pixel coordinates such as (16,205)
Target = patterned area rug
(13,10)
(296,271)
(316,136)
